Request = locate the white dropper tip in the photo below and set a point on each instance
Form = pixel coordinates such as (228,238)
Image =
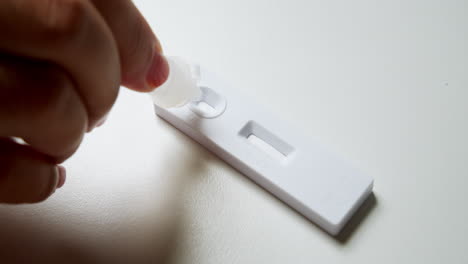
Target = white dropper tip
(180,87)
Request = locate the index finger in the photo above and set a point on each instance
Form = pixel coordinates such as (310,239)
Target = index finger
(143,67)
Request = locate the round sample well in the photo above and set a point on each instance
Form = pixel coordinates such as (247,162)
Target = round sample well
(209,105)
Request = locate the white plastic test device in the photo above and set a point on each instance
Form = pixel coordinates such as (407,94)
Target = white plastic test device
(302,174)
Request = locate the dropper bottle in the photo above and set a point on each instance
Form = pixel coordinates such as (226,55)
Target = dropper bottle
(180,87)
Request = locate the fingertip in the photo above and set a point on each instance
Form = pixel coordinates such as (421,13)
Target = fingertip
(62,176)
(158,72)
(26,176)
(47,179)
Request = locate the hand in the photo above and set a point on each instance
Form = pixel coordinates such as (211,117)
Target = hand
(61,65)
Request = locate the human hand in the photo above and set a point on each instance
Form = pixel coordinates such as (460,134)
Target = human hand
(61,65)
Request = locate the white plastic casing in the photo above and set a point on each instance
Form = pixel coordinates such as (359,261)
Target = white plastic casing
(317,184)
(180,87)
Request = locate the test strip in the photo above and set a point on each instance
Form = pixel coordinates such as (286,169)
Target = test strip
(319,185)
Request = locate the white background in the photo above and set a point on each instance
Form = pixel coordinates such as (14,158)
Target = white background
(383,84)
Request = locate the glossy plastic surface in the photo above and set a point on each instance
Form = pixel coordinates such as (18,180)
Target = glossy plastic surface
(319,185)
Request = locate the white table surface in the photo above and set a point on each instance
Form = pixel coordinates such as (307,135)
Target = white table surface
(382,83)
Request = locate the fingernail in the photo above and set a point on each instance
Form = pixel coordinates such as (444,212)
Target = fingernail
(102,121)
(158,71)
(98,124)
(62,176)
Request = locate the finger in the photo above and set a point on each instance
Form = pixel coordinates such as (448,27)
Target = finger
(38,103)
(142,65)
(72,34)
(25,175)
(62,176)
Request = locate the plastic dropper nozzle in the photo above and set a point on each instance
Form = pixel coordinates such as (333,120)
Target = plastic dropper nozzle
(180,87)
